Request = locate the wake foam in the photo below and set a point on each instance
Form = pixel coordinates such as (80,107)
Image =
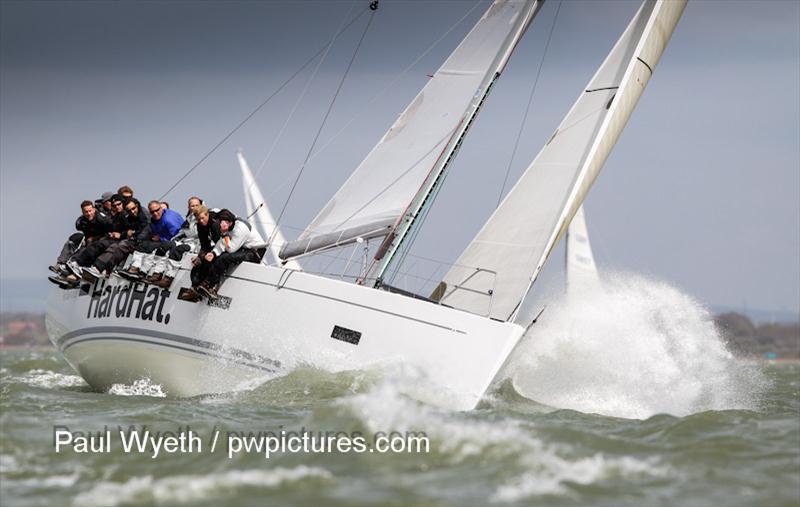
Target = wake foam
(141,387)
(635,348)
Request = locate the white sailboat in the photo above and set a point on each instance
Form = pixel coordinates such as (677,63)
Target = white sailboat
(273,317)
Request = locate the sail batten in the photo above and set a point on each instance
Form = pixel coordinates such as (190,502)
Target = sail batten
(392,174)
(540,206)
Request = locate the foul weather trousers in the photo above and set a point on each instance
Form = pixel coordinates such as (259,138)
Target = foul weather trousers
(227,261)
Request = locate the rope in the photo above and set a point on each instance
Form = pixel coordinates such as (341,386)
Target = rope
(322,125)
(527,108)
(258,108)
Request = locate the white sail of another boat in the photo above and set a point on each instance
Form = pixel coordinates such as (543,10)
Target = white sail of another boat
(580,268)
(495,272)
(422,139)
(259,213)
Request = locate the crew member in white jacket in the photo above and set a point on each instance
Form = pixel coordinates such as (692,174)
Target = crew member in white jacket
(239,242)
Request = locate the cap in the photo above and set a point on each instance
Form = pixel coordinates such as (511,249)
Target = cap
(106,196)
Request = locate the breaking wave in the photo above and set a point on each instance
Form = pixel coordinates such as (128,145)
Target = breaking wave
(534,464)
(633,348)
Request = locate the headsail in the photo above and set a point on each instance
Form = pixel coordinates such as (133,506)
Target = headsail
(371,201)
(495,272)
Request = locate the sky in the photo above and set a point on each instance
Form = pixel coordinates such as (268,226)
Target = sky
(702,189)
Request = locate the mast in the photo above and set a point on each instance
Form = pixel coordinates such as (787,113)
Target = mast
(406,163)
(424,198)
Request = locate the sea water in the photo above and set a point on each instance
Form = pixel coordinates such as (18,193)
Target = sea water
(624,397)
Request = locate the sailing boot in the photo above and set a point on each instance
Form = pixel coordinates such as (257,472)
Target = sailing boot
(209,291)
(91,274)
(190,295)
(153,278)
(164,282)
(133,273)
(65,282)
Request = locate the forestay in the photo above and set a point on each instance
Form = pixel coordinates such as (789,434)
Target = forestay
(498,267)
(372,200)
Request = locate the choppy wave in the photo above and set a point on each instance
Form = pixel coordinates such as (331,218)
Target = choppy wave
(508,451)
(634,348)
(535,465)
(47,379)
(180,489)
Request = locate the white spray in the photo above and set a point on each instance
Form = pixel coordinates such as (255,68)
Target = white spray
(634,348)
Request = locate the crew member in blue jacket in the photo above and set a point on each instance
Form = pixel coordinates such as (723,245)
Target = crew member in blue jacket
(164,225)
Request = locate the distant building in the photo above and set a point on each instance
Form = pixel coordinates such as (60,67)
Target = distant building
(20,332)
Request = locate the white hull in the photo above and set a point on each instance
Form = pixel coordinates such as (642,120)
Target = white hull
(276,319)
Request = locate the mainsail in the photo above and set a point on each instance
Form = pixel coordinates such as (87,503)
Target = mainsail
(372,201)
(497,269)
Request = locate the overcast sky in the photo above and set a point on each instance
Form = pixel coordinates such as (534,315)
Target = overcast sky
(702,189)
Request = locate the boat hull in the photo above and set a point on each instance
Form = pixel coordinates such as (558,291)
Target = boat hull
(269,321)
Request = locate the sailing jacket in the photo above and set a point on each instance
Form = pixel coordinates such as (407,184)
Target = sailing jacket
(241,235)
(168,226)
(208,234)
(97,228)
(139,224)
(188,232)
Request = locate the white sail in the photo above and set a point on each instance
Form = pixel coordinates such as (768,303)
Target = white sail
(255,202)
(580,270)
(371,201)
(496,270)
(248,201)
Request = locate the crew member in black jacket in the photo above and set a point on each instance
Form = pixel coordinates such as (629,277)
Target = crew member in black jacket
(136,229)
(92,226)
(208,232)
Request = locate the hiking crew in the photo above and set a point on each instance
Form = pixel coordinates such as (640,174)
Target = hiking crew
(154,244)
(239,242)
(92,226)
(136,229)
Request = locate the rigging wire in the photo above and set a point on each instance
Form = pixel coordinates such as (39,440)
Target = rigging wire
(528,107)
(394,81)
(259,107)
(299,100)
(322,125)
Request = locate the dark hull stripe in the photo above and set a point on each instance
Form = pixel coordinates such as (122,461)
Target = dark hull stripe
(68,340)
(159,344)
